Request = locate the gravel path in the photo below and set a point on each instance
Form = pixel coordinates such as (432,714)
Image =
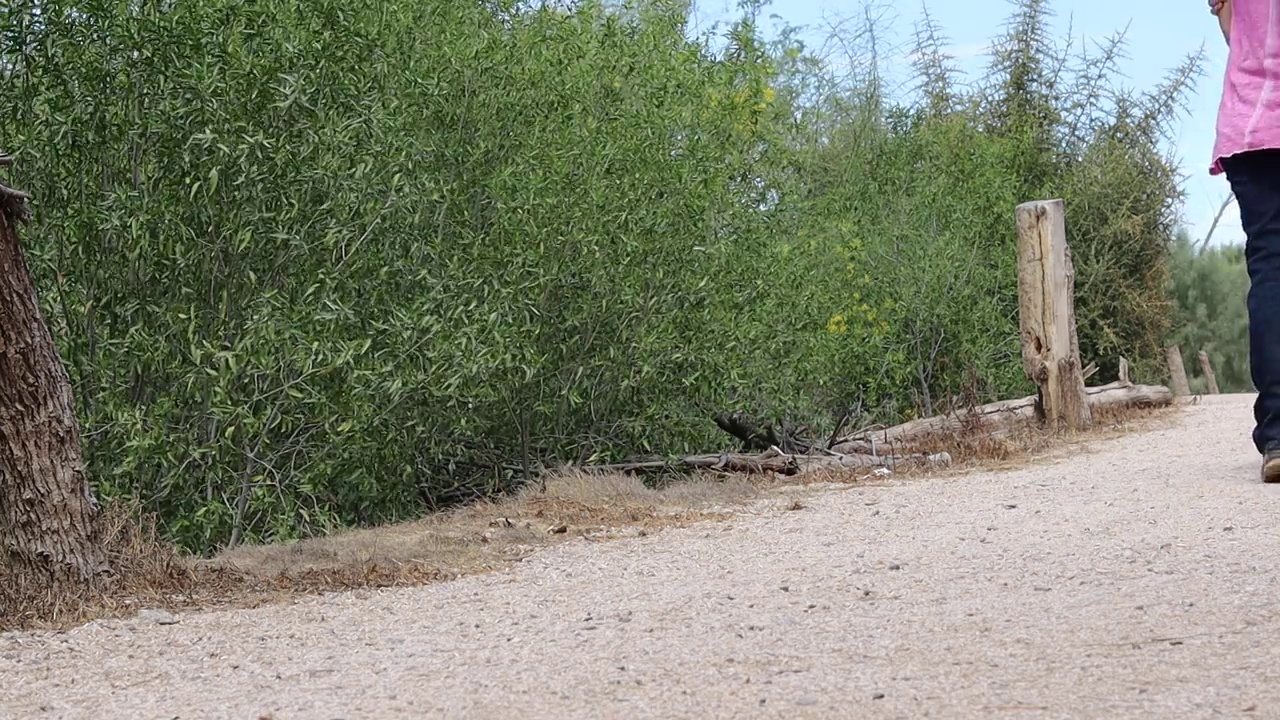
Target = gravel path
(1135,579)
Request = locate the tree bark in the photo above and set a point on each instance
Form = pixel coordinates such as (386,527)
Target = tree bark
(1046,312)
(49,533)
(1177,372)
(1209,375)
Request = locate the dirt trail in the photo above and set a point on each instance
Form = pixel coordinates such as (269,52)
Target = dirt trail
(1137,578)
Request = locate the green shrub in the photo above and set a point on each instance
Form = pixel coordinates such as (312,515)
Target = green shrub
(1210,288)
(316,264)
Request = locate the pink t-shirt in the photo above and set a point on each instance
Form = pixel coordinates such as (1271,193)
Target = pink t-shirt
(1249,114)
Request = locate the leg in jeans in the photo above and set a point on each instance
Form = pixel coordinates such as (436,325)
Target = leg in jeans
(1255,180)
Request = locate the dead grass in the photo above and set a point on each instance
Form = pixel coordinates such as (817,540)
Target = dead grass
(490,534)
(978,451)
(483,536)
(145,570)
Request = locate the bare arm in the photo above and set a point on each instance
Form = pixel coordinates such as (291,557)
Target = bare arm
(1222,10)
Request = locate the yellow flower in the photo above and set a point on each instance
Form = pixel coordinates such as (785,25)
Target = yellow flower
(837,325)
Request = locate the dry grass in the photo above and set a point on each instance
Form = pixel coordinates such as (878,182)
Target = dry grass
(490,534)
(480,537)
(146,570)
(978,451)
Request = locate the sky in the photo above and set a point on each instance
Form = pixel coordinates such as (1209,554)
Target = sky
(1159,35)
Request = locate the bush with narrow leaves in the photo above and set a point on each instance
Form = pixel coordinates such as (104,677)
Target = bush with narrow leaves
(315,264)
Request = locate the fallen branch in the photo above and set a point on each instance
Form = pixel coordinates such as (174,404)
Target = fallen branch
(995,419)
(1090,371)
(770,461)
(898,446)
(753,436)
(757,436)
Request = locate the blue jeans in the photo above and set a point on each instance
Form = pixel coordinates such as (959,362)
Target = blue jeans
(1255,180)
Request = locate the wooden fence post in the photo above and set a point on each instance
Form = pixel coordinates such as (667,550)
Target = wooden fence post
(1209,374)
(1046,310)
(1177,372)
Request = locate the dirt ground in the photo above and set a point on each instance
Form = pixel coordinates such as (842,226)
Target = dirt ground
(1134,577)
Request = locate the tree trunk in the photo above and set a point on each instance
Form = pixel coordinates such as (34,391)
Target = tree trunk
(1177,372)
(1047,316)
(49,535)
(1210,376)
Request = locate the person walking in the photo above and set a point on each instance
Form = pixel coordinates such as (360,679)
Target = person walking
(1247,151)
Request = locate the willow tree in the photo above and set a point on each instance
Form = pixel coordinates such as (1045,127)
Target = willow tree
(48,516)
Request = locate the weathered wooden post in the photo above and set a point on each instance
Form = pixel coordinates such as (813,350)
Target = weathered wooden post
(1046,310)
(1177,372)
(1209,374)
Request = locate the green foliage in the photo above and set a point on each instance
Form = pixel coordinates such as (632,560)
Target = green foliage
(1210,289)
(921,196)
(316,264)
